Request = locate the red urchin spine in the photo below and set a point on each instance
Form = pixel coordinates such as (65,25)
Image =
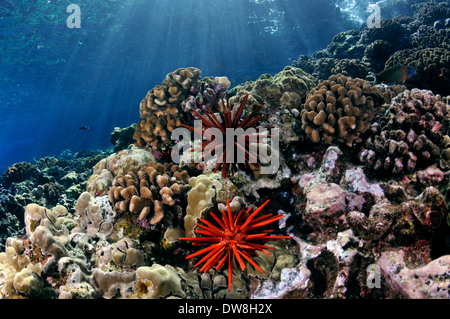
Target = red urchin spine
(228,119)
(231,239)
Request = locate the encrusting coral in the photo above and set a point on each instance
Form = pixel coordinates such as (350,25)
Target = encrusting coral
(340,109)
(95,215)
(204,189)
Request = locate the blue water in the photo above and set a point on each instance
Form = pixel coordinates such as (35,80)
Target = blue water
(54,79)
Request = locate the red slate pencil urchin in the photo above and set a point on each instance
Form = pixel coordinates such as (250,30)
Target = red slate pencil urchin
(229,119)
(233,237)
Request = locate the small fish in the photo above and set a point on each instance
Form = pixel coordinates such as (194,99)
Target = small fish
(394,75)
(84,128)
(444,73)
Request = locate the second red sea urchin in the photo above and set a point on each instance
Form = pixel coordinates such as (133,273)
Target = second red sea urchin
(234,237)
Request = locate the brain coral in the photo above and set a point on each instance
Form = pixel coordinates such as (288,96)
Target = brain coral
(429,65)
(340,109)
(159,110)
(409,133)
(150,191)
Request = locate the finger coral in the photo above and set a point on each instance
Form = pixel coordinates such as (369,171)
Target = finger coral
(234,237)
(149,191)
(429,64)
(340,109)
(159,110)
(409,134)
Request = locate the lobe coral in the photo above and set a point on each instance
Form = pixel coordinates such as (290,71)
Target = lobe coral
(234,237)
(230,123)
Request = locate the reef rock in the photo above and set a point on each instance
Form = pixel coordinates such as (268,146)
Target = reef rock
(431,281)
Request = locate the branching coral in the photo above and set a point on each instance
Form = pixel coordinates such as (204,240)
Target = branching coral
(154,187)
(409,133)
(159,110)
(429,64)
(234,237)
(340,108)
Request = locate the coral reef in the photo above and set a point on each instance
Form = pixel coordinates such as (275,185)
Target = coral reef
(323,68)
(430,12)
(346,221)
(368,48)
(428,281)
(429,64)
(408,134)
(344,45)
(18,173)
(391,31)
(360,195)
(150,192)
(49,181)
(371,48)
(234,238)
(340,109)
(431,37)
(121,138)
(160,110)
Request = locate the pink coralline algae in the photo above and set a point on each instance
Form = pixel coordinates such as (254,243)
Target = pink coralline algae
(430,176)
(431,281)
